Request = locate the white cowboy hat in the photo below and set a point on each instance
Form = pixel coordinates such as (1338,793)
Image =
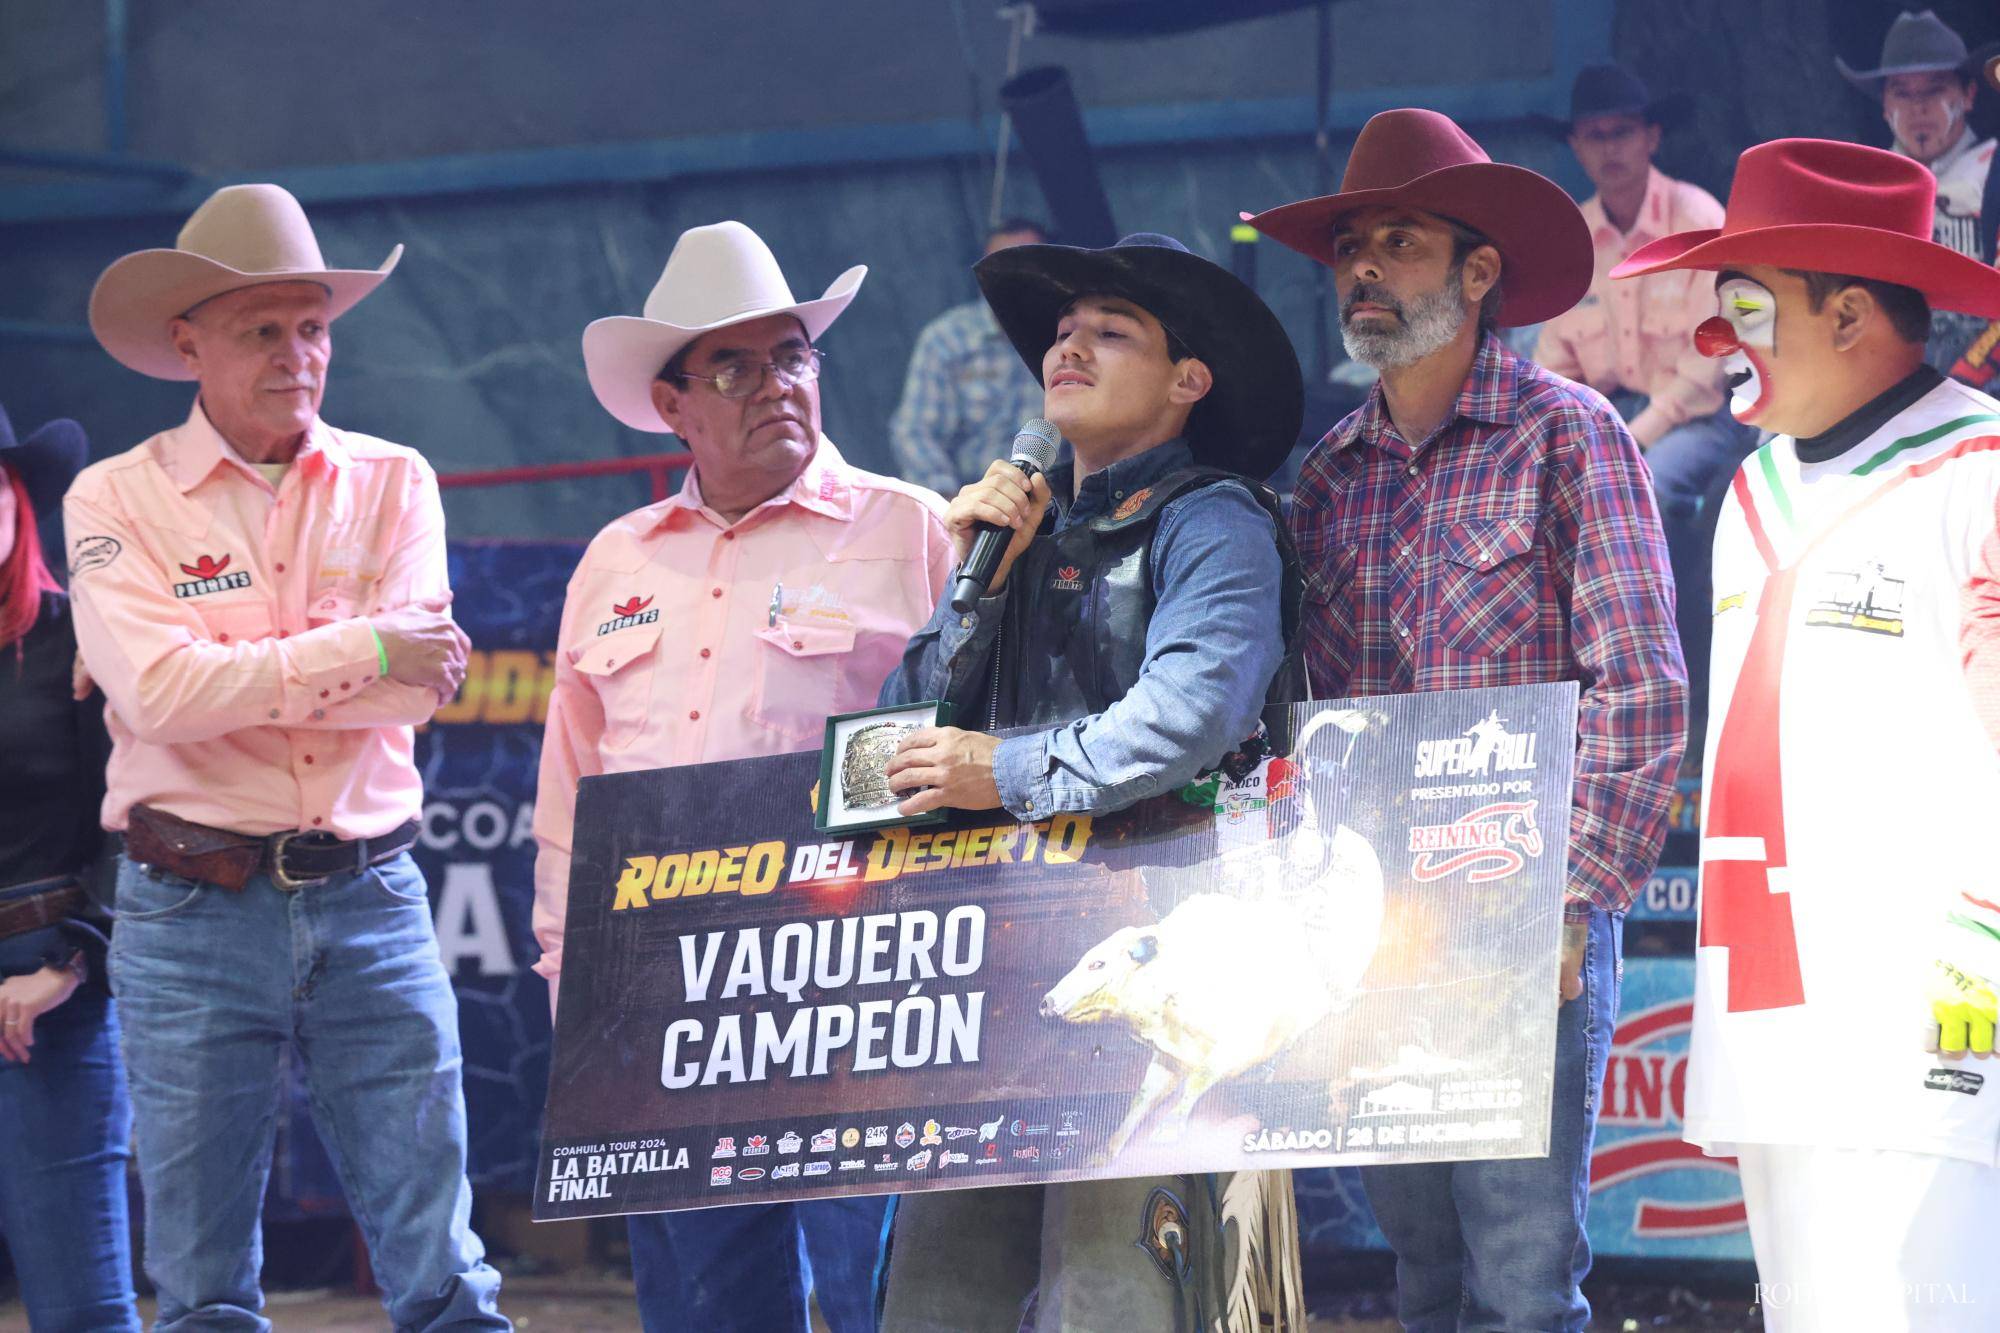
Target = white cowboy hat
(241,236)
(717,275)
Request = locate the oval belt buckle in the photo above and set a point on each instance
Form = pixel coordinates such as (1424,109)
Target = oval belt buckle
(283,882)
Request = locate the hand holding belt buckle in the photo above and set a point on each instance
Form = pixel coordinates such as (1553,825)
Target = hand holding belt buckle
(864,781)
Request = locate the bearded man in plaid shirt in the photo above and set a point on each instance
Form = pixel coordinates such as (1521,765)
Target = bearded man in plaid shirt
(1481,522)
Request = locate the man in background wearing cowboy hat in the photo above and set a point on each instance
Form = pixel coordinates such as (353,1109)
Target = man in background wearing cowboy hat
(1979,364)
(1479,522)
(729,620)
(1139,632)
(262,597)
(1628,340)
(1925,84)
(1848,893)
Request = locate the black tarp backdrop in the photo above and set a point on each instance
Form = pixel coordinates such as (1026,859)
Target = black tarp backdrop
(470,352)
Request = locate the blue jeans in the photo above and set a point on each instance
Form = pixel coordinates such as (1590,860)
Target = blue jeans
(212,985)
(1501,1245)
(64,1125)
(748,1269)
(1692,467)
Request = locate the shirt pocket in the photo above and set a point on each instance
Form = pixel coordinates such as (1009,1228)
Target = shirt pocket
(1489,593)
(330,604)
(1329,624)
(798,678)
(620,669)
(235,622)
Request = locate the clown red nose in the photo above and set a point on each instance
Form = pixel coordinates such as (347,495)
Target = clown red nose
(1716,337)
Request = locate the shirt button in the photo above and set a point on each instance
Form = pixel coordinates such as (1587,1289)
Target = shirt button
(1413,469)
(281,569)
(694,715)
(318,713)
(965,622)
(1028,804)
(1405,553)
(284,634)
(715,592)
(1403,630)
(317,821)
(704,652)
(345,685)
(274,713)
(309,759)
(797,646)
(610,662)
(729,536)
(222,638)
(323,693)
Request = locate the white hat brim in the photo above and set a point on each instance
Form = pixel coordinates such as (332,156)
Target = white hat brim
(623,354)
(138,296)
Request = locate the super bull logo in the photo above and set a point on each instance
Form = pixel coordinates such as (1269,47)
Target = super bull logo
(1483,749)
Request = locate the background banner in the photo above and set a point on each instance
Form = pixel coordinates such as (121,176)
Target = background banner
(1345,954)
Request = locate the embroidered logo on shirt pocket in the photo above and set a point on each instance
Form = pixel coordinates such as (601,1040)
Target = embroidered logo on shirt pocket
(619,666)
(799,666)
(1489,586)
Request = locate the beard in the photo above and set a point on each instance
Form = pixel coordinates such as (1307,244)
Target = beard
(1423,325)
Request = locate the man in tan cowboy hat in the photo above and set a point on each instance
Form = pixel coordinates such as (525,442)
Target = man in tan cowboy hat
(262,597)
(1480,522)
(1849,907)
(729,620)
(1925,83)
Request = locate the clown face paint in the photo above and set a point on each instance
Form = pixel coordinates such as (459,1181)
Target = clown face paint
(1743,336)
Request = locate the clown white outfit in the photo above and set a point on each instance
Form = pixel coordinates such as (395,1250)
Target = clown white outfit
(1852,781)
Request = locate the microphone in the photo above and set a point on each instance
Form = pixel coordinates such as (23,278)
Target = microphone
(1035,446)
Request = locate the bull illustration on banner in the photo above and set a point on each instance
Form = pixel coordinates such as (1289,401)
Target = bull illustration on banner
(1228,982)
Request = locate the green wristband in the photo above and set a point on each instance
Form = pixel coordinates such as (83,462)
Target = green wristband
(381,654)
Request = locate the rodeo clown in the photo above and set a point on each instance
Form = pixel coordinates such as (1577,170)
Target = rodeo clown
(1849,899)
(1140,617)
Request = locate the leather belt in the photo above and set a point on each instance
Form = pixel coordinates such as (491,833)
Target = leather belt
(42,902)
(293,859)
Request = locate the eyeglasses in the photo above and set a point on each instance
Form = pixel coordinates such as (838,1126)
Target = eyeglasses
(741,379)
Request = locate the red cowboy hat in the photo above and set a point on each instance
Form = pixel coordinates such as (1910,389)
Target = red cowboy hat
(1421,160)
(1831,207)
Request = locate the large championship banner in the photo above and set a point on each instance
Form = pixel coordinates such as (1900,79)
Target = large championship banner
(1344,953)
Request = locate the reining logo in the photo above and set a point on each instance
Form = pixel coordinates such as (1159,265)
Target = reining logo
(210,575)
(1644,1088)
(1068,579)
(1491,843)
(632,611)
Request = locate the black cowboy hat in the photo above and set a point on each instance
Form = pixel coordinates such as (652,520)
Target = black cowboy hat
(47,461)
(1605,90)
(1251,417)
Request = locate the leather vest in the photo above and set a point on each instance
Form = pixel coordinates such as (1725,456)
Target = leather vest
(1073,634)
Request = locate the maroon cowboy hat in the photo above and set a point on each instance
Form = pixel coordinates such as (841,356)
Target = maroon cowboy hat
(1421,160)
(1831,207)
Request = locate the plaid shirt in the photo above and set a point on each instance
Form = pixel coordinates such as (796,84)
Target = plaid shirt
(1518,544)
(965,395)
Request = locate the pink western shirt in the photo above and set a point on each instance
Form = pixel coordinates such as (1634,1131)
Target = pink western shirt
(1638,334)
(225,621)
(687,639)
